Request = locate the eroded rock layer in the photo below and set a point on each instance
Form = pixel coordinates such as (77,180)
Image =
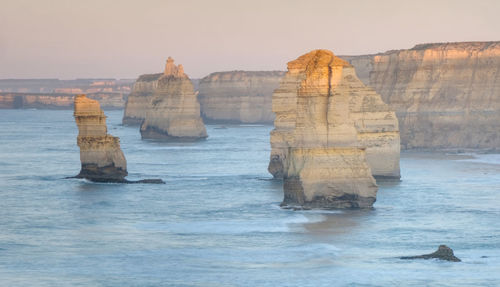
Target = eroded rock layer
(445,95)
(347,113)
(100,154)
(174,111)
(238,96)
(139,100)
(324,116)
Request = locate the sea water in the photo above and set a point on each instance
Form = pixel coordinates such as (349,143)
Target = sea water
(217,220)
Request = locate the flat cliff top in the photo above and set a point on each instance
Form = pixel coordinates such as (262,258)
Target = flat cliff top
(149,77)
(238,74)
(458,45)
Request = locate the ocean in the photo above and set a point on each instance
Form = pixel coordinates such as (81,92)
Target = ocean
(217,220)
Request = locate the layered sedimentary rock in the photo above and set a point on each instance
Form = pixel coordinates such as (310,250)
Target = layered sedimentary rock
(174,111)
(326,120)
(445,95)
(57,101)
(139,100)
(350,114)
(238,96)
(100,154)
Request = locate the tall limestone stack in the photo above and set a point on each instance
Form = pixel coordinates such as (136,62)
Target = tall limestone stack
(315,144)
(446,95)
(139,100)
(356,116)
(238,96)
(174,111)
(100,154)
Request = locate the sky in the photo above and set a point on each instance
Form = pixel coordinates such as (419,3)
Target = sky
(70,39)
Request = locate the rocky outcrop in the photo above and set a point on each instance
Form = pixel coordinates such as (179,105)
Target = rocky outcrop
(100,154)
(238,96)
(443,253)
(445,95)
(345,113)
(174,110)
(321,108)
(57,101)
(139,100)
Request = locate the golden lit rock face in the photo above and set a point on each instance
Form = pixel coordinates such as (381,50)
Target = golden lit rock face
(100,154)
(446,95)
(238,96)
(331,132)
(139,100)
(321,102)
(173,111)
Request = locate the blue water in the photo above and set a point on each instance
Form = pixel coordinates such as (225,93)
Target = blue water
(217,221)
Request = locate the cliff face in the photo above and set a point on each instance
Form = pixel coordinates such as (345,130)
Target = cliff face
(56,101)
(139,100)
(355,116)
(324,116)
(238,96)
(445,95)
(174,110)
(100,154)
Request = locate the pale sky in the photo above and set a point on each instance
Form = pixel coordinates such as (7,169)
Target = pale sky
(124,38)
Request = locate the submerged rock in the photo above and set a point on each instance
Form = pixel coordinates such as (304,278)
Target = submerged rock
(100,154)
(174,110)
(317,145)
(443,253)
(321,102)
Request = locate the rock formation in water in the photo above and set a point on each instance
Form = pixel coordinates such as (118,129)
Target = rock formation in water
(334,110)
(443,253)
(446,96)
(174,110)
(139,100)
(238,96)
(100,154)
(320,111)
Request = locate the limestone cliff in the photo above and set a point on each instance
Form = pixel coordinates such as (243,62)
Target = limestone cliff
(445,95)
(100,154)
(322,111)
(174,110)
(57,101)
(238,96)
(356,116)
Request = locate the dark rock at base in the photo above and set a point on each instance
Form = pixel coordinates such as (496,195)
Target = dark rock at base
(443,253)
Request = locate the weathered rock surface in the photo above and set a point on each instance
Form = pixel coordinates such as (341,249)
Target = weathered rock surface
(100,154)
(139,100)
(345,113)
(443,253)
(238,96)
(57,101)
(174,111)
(320,111)
(445,95)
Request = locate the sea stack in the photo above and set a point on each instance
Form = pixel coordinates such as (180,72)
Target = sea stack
(322,103)
(315,145)
(100,153)
(174,110)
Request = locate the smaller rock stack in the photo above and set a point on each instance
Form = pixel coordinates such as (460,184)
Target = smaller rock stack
(174,110)
(100,153)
